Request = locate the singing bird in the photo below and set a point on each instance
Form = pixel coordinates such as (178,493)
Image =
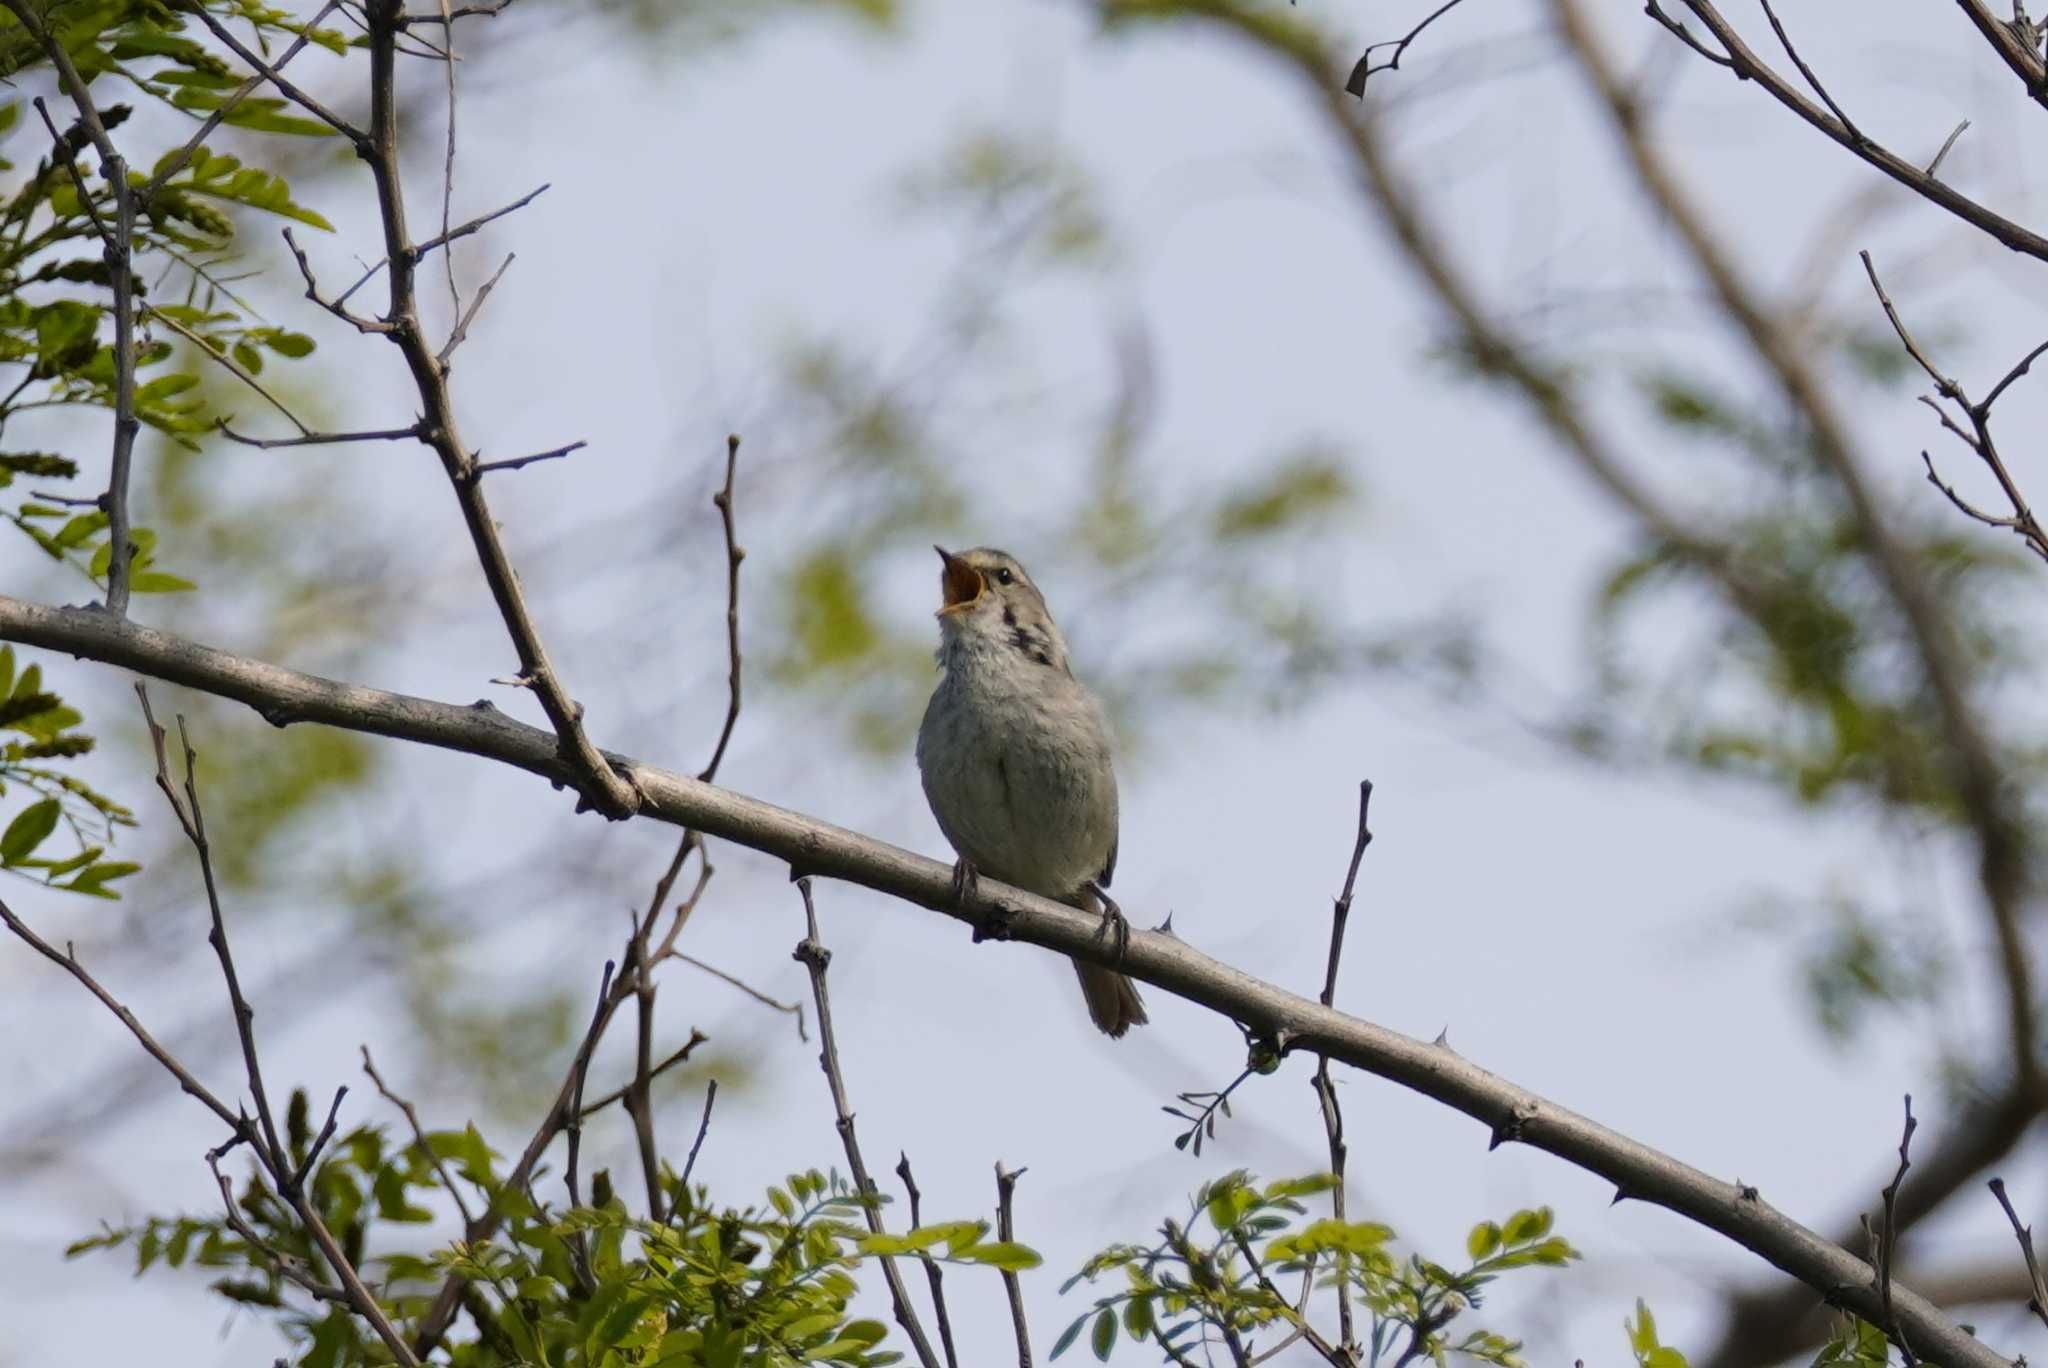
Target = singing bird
(1017,760)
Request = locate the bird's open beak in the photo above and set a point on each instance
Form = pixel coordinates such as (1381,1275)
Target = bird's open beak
(961,582)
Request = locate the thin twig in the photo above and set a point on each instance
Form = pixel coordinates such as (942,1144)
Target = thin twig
(812,953)
(931,1265)
(305,1167)
(422,250)
(1785,41)
(573,1125)
(734,554)
(404,434)
(368,326)
(795,1009)
(1947,143)
(68,962)
(448,166)
(2038,1301)
(1980,441)
(1365,70)
(419,1136)
(1013,1288)
(193,819)
(703,1126)
(455,338)
(117,250)
(1884,1240)
(1331,1354)
(483,468)
(289,1267)
(225,359)
(296,94)
(1326,1090)
(679,1056)
(228,106)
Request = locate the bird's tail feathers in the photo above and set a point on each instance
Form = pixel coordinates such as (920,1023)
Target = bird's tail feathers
(1113,1001)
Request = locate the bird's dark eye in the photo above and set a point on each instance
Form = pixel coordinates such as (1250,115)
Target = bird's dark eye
(1005,577)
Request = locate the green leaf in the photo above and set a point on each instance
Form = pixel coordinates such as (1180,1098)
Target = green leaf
(81,529)
(1060,1345)
(1483,1241)
(1007,1255)
(30,827)
(159,582)
(294,345)
(1103,1338)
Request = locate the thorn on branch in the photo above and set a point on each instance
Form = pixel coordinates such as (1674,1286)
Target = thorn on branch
(481,469)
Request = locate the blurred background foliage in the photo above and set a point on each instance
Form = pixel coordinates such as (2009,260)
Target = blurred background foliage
(1192,595)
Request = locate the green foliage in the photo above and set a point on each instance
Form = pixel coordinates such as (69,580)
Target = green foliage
(39,732)
(1650,1351)
(710,1287)
(1217,1275)
(1855,1343)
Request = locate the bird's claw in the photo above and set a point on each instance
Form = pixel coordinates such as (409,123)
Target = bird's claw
(965,880)
(1114,924)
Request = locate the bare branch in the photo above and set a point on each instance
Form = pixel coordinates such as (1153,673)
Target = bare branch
(703,1126)
(812,953)
(734,554)
(274,75)
(1980,441)
(404,434)
(419,1137)
(1006,1192)
(305,1168)
(795,1009)
(183,155)
(1884,1240)
(2038,1301)
(931,1265)
(600,787)
(689,1047)
(483,468)
(117,251)
(68,962)
(1785,41)
(573,1122)
(1365,70)
(455,338)
(367,326)
(1941,156)
(227,361)
(1326,1091)
(1748,66)
(193,818)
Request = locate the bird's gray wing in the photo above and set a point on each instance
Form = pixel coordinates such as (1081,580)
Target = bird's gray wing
(1109,869)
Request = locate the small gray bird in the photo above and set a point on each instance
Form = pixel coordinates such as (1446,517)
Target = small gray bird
(1016,758)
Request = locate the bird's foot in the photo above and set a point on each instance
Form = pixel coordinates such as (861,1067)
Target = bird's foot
(1114,924)
(965,880)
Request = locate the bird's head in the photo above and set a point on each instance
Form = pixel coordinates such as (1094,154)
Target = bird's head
(988,597)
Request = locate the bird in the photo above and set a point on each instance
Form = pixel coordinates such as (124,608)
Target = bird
(1017,759)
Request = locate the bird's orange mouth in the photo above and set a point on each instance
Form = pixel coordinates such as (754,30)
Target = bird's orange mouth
(961,583)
